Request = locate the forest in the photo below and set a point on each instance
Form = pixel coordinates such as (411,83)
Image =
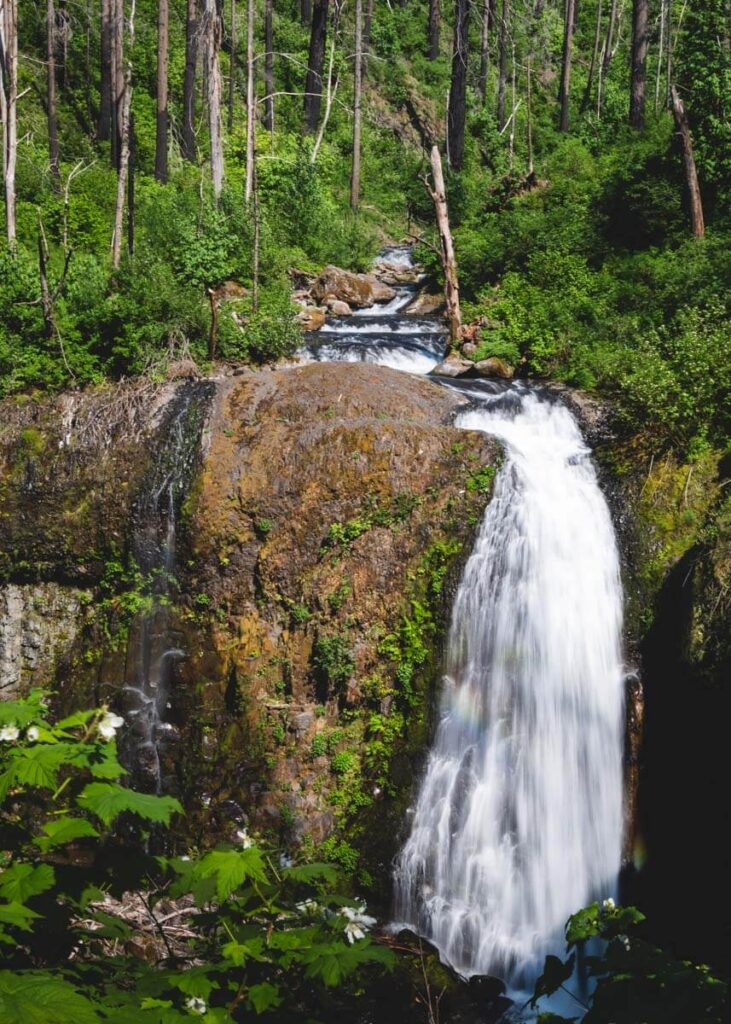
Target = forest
(270,554)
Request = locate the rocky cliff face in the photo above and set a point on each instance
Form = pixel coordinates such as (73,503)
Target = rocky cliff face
(323,522)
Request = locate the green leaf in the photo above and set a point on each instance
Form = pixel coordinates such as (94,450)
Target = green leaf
(555,973)
(29,997)
(264,996)
(583,925)
(195,981)
(310,872)
(64,830)
(231,868)
(107,800)
(333,962)
(16,915)
(239,952)
(21,881)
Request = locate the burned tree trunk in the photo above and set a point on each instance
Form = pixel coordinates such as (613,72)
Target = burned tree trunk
(315,61)
(435,17)
(639,61)
(161,136)
(457,113)
(691,174)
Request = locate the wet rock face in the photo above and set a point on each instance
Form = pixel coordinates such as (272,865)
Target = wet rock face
(317,549)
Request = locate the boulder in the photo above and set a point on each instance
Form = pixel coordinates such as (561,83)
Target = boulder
(493,367)
(427,304)
(311,318)
(470,350)
(453,366)
(338,308)
(358,290)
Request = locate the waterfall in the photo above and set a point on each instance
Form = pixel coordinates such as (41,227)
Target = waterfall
(518,819)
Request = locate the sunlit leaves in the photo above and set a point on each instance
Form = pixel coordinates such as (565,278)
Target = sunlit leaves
(108,800)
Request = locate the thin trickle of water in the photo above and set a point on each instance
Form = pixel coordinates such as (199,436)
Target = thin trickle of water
(152,648)
(518,819)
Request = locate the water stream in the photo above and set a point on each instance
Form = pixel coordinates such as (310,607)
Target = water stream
(518,818)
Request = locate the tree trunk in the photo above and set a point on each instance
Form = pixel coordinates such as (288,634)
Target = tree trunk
(313,82)
(63,31)
(331,90)
(232,68)
(357,99)
(457,111)
(660,51)
(691,174)
(9,107)
(305,13)
(367,24)
(212,33)
(485,47)
(161,137)
(594,57)
(565,88)
(503,63)
(529,106)
(639,60)
(118,78)
(449,263)
(269,65)
(124,144)
(51,79)
(435,15)
(191,60)
(131,186)
(250,104)
(104,127)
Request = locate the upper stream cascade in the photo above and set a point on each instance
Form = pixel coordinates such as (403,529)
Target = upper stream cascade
(518,818)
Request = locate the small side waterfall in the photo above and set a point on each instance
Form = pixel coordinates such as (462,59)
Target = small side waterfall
(153,649)
(518,820)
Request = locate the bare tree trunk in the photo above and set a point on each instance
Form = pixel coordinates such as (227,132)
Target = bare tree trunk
(485,47)
(191,60)
(367,24)
(529,106)
(565,89)
(305,13)
(357,99)
(255,250)
(639,60)
(514,104)
(457,111)
(330,92)
(161,137)
(594,57)
(63,30)
(269,65)
(503,63)
(607,55)
(131,186)
(449,263)
(315,60)
(9,107)
(232,70)
(51,79)
(212,33)
(104,128)
(124,148)
(691,174)
(435,17)
(250,104)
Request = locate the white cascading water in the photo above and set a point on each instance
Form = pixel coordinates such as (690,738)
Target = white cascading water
(518,821)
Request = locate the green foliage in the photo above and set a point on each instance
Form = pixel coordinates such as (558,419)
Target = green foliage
(260,941)
(332,659)
(635,981)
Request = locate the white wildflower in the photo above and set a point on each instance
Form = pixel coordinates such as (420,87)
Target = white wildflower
(32,734)
(608,904)
(108,725)
(358,922)
(353,932)
(185,857)
(308,908)
(244,838)
(624,939)
(285,861)
(9,733)
(196,1005)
